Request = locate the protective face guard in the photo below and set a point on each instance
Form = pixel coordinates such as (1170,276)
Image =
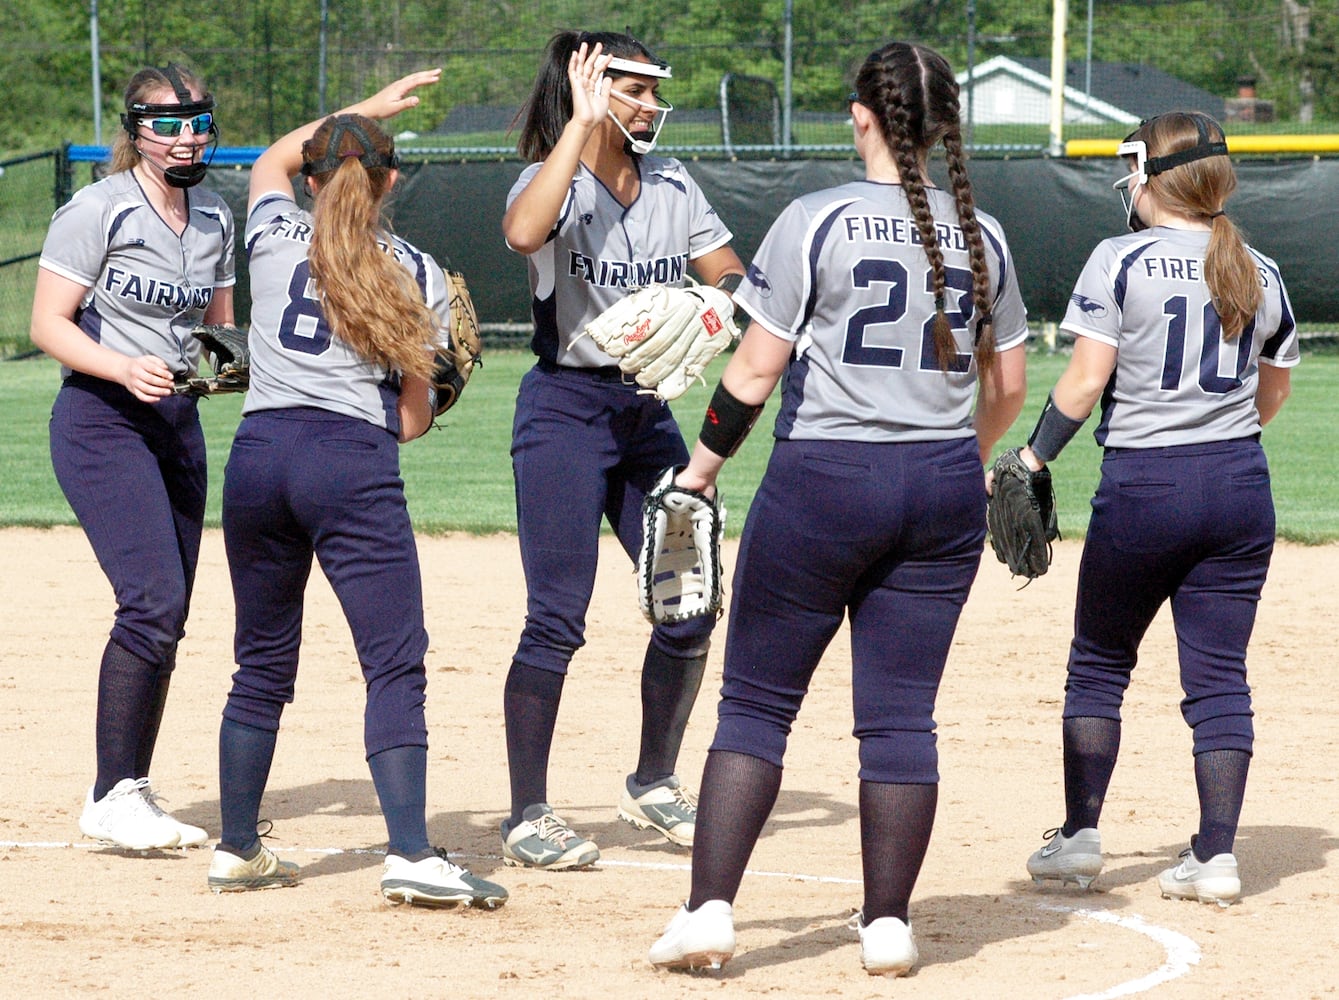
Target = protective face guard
(177,176)
(1146,166)
(662,108)
(619,66)
(370,158)
(1128,184)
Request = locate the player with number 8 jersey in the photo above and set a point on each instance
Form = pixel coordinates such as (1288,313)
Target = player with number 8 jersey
(345,322)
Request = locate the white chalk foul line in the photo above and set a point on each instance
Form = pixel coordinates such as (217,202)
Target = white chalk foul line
(1181,952)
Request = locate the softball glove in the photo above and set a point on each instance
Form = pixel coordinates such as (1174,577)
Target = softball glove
(665,337)
(229,358)
(679,565)
(1020,516)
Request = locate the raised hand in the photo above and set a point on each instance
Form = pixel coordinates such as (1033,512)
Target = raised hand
(390,100)
(590,87)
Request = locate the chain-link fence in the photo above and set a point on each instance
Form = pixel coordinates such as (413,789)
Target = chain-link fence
(1262,68)
(28,196)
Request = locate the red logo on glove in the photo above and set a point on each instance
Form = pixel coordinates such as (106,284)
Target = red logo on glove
(711,322)
(638,333)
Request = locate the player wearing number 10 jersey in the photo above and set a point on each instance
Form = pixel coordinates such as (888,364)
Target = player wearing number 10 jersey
(1186,336)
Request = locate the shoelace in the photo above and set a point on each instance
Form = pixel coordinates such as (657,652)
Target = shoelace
(1051,834)
(141,797)
(685,798)
(152,797)
(452,868)
(550,827)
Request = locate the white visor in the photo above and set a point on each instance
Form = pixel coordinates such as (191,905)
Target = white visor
(621,65)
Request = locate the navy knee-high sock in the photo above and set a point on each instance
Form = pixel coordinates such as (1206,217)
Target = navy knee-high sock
(530,709)
(127,685)
(400,776)
(737,795)
(669,689)
(1220,778)
(1091,746)
(895,826)
(148,738)
(245,755)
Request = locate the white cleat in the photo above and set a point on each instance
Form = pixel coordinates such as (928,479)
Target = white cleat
(702,939)
(1076,859)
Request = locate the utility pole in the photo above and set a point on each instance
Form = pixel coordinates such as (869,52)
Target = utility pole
(95,46)
(1061,14)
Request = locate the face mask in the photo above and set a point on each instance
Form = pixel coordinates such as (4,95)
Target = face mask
(1130,183)
(168,121)
(1146,166)
(644,145)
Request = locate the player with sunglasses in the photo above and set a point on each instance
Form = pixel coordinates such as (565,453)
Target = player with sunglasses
(130,265)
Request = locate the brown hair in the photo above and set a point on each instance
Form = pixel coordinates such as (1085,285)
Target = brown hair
(147,81)
(548,109)
(1199,189)
(914,93)
(370,301)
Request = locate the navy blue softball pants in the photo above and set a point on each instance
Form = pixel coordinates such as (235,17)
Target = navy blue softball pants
(1192,524)
(585,446)
(889,534)
(305,481)
(135,476)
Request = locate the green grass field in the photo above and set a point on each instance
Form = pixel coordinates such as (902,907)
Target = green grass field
(458,477)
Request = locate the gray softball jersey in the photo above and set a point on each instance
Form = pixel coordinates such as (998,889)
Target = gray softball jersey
(1176,380)
(147,286)
(600,251)
(295,358)
(843,275)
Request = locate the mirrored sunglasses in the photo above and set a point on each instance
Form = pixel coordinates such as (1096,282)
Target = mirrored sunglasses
(169,127)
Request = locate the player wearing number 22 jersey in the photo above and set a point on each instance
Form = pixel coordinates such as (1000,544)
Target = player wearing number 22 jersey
(865,367)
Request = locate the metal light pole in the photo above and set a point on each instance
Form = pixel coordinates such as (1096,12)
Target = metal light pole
(97,73)
(320,73)
(971,67)
(1059,15)
(787,74)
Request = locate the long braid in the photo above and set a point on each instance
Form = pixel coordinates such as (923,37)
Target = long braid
(901,98)
(976,249)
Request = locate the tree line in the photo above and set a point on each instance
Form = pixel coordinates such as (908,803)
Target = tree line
(266,64)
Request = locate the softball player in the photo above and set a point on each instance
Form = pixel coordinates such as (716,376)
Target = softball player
(130,265)
(343,323)
(889,305)
(596,217)
(1187,337)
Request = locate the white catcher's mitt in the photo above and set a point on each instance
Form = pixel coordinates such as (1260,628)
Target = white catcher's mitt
(665,337)
(679,565)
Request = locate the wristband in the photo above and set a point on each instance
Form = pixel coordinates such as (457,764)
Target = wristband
(1054,430)
(727,422)
(730,283)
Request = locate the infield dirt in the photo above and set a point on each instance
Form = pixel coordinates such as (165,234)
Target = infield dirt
(78,919)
